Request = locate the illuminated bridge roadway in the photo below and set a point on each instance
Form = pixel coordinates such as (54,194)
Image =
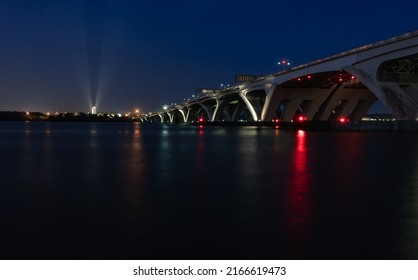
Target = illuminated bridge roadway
(342,85)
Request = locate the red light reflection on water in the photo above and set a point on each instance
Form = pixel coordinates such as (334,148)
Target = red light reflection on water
(276,131)
(299,200)
(200,169)
(300,176)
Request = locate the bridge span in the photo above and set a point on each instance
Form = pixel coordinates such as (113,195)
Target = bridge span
(343,85)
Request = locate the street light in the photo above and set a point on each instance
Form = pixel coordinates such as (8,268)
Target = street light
(224,86)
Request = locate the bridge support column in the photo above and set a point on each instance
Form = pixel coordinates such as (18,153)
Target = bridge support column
(273,98)
(402,104)
(318,96)
(363,106)
(339,97)
(220,106)
(291,108)
(171,116)
(184,114)
(207,110)
(237,110)
(161,117)
(254,114)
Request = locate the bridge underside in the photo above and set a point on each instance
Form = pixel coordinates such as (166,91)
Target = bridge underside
(323,96)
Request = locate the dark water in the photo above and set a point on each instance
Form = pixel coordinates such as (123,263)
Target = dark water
(125,191)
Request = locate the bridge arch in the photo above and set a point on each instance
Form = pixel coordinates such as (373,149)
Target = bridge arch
(198,111)
(165,117)
(177,116)
(232,107)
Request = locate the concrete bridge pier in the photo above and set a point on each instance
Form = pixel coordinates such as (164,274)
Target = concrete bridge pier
(401,101)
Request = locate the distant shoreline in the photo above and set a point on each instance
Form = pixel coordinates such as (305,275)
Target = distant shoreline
(63,117)
(374,124)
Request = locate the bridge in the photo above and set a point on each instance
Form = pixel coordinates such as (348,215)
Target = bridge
(344,85)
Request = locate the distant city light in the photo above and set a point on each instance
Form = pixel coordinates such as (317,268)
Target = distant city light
(93,110)
(165,107)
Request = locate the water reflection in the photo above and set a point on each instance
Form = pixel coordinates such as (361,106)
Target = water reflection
(200,162)
(28,155)
(249,156)
(48,166)
(132,170)
(92,161)
(164,155)
(299,216)
(126,191)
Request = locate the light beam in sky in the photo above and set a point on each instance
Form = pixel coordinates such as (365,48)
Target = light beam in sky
(94,12)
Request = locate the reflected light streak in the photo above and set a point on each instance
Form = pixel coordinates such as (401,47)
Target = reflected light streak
(300,204)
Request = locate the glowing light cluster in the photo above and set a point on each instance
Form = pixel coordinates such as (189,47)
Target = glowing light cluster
(283,62)
(343,120)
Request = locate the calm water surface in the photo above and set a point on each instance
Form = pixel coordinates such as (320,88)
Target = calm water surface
(126,191)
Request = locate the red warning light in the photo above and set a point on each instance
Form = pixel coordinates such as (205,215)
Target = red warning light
(201,120)
(299,79)
(343,120)
(301,118)
(309,76)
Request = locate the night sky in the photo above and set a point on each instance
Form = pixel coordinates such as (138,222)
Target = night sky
(62,55)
